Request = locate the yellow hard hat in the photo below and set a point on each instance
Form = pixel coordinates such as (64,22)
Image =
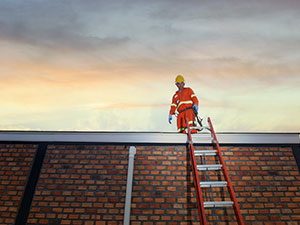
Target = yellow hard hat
(179,79)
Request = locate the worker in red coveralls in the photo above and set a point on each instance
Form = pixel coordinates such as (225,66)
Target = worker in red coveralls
(184,101)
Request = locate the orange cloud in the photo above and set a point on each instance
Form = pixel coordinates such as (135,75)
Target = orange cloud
(128,106)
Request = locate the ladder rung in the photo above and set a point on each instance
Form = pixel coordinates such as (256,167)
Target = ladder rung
(209,167)
(205,152)
(213,184)
(200,128)
(218,204)
(197,128)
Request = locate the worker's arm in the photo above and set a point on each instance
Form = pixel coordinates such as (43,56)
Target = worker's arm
(173,108)
(194,98)
(173,105)
(195,101)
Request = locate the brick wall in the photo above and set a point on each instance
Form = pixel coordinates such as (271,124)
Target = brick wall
(267,183)
(163,191)
(81,185)
(86,184)
(15,164)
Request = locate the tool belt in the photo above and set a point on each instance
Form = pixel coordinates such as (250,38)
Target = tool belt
(185,110)
(195,115)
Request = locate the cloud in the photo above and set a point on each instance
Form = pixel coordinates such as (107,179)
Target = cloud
(125,106)
(143,35)
(222,10)
(53,26)
(126,54)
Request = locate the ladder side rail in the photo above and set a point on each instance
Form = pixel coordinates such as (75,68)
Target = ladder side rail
(231,192)
(199,196)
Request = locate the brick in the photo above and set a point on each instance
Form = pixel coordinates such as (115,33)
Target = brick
(15,164)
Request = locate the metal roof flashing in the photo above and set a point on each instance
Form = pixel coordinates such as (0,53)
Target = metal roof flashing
(147,137)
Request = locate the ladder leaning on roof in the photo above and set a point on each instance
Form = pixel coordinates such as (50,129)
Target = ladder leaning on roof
(223,183)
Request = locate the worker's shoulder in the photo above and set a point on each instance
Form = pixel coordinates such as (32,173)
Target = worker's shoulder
(175,94)
(187,89)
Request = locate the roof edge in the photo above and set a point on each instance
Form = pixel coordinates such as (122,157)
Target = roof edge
(147,137)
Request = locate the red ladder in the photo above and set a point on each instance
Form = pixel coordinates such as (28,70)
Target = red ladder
(210,184)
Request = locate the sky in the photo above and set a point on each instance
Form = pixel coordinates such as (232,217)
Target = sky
(95,65)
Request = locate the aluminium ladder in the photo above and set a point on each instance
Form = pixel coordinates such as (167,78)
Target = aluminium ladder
(214,183)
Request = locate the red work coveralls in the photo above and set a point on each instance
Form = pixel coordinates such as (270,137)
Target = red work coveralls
(182,100)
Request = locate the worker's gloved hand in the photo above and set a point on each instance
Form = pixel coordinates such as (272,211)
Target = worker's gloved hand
(195,108)
(170,118)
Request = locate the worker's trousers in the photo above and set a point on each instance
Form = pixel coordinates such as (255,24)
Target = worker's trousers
(181,121)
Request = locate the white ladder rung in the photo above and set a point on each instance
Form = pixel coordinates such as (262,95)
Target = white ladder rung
(205,152)
(200,128)
(197,128)
(218,204)
(213,184)
(209,167)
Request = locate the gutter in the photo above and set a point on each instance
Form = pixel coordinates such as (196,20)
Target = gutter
(146,137)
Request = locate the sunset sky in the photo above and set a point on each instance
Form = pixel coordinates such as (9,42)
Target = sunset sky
(98,65)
